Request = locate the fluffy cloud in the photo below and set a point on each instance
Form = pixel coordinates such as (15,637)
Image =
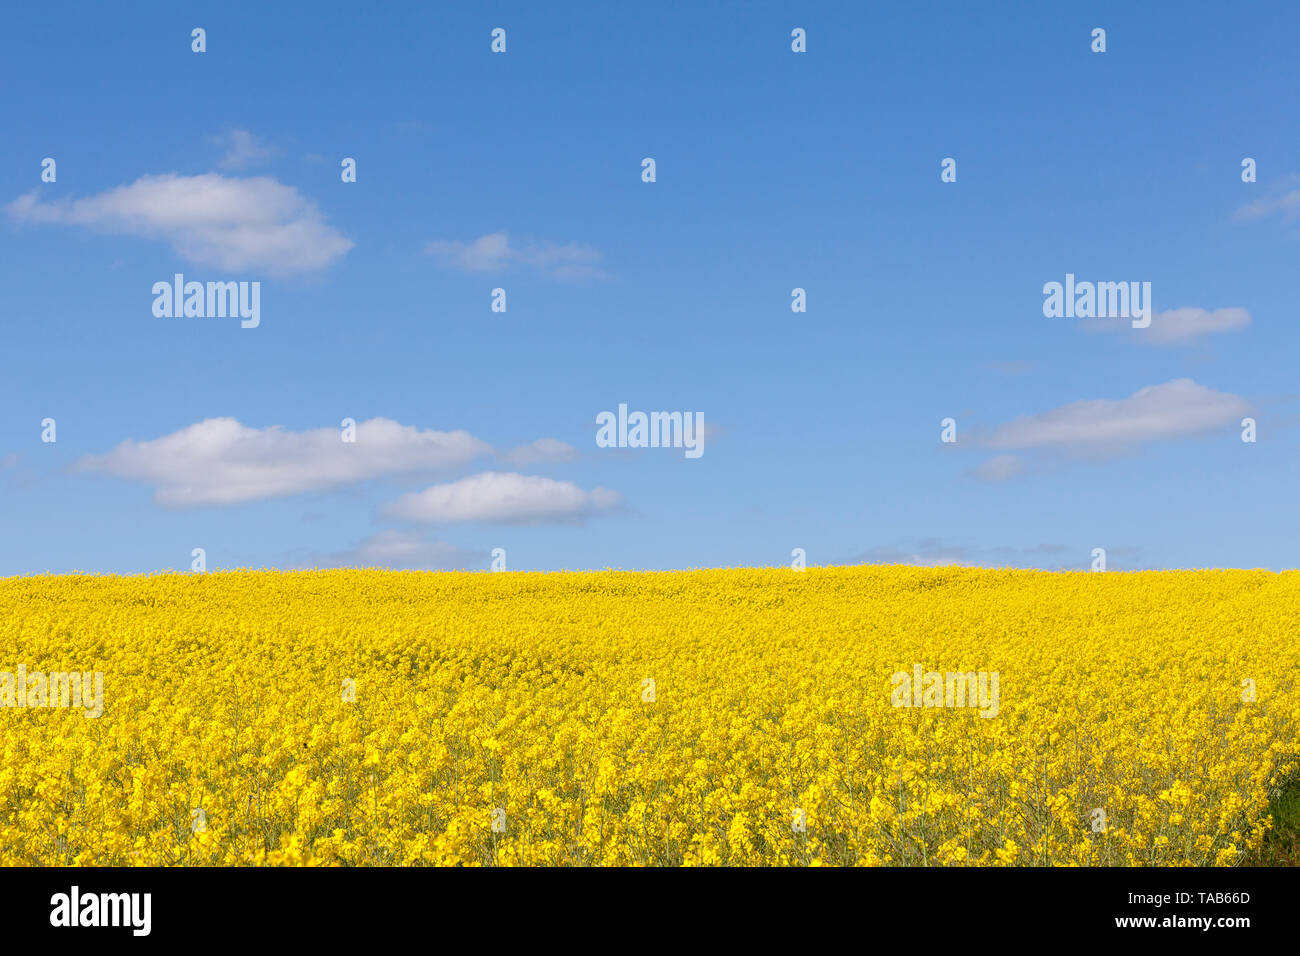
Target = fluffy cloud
(505,498)
(494,252)
(220,461)
(1176,326)
(404,550)
(212,220)
(1176,409)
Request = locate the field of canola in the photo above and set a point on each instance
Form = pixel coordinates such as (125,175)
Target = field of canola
(722,717)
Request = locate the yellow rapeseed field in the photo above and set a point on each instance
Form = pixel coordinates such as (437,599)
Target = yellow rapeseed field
(736,717)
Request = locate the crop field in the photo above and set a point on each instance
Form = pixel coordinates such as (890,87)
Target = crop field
(834,716)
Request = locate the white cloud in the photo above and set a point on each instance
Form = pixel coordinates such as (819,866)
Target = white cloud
(1176,326)
(505,498)
(220,461)
(404,550)
(998,469)
(494,252)
(242,149)
(543,450)
(1286,204)
(210,220)
(1176,409)
(926,554)
(934,553)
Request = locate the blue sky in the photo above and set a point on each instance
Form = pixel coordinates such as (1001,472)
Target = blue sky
(774,170)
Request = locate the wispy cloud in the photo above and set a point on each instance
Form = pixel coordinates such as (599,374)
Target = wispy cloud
(403,550)
(542,451)
(495,253)
(243,149)
(1176,326)
(505,498)
(1176,409)
(931,552)
(219,461)
(999,468)
(1284,202)
(1012,367)
(211,219)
